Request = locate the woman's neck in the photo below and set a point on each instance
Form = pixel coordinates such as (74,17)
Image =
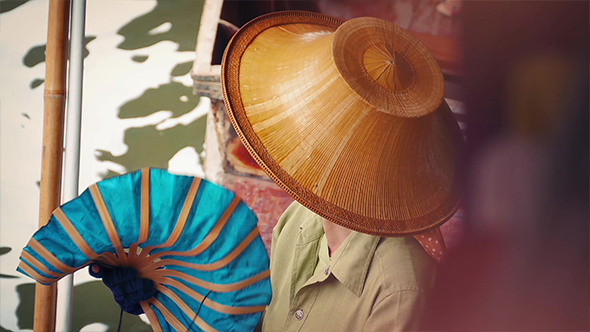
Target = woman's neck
(335,235)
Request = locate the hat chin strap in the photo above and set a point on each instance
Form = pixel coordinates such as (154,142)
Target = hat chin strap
(388,68)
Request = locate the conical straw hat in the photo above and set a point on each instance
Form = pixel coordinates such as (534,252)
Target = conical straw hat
(347,117)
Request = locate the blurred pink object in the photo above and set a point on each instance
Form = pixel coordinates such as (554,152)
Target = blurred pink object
(266,199)
(449,7)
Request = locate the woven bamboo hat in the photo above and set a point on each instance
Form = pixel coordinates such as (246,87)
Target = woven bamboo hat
(347,117)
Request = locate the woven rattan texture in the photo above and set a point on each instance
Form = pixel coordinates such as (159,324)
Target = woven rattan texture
(327,147)
(425,92)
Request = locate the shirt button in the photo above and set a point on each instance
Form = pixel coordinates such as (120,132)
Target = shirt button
(299,314)
(327,271)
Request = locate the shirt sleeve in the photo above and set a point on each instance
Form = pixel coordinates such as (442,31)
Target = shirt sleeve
(276,232)
(399,311)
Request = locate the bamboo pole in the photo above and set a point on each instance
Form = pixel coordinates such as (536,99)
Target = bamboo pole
(53,128)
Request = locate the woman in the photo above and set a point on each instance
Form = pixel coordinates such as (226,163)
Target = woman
(349,119)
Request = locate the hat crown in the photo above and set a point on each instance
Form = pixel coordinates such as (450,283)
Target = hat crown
(388,67)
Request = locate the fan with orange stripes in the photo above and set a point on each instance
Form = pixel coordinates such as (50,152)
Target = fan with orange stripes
(181,249)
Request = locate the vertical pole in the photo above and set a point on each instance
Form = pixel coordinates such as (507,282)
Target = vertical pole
(53,127)
(206,37)
(72,148)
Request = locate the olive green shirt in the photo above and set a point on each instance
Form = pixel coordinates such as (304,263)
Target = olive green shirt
(370,284)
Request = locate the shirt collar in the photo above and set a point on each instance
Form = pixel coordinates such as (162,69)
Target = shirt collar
(350,263)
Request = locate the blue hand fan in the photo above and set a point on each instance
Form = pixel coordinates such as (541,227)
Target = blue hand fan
(181,249)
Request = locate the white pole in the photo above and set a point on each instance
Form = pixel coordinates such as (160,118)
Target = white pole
(72,148)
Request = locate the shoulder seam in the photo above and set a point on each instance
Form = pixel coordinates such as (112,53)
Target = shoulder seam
(389,288)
